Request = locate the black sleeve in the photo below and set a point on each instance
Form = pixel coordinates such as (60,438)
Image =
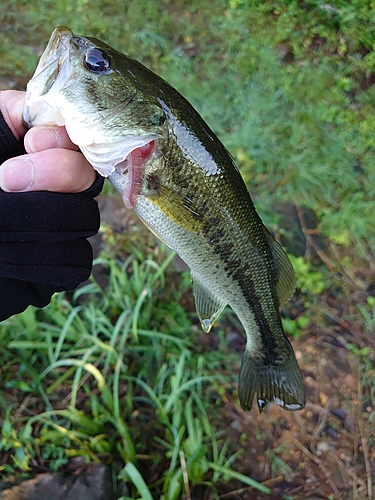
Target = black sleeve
(43,239)
(9,146)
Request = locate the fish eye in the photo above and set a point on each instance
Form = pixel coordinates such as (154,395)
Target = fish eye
(96,61)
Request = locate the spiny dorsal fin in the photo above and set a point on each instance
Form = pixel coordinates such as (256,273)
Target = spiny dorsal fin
(286,281)
(208,305)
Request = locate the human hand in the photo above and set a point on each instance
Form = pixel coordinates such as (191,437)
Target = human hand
(47,211)
(47,147)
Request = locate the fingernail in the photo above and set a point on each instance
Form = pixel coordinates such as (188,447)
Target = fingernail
(45,138)
(17,175)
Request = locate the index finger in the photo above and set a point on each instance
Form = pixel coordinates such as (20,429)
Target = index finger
(11,106)
(43,137)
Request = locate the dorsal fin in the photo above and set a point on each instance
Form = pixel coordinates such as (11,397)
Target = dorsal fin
(286,281)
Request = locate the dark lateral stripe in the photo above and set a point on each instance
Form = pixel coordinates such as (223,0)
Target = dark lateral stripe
(272,336)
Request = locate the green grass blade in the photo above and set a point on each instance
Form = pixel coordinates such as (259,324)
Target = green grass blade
(240,477)
(132,473)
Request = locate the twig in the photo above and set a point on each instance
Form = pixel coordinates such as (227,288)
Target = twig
(345,472)
(185,475)
(358,284)
(323,416)
(270,483)
(22,406)
(300,423)
(236,493)
(307,233)
(322,420)
(273,481)
(363,439)
(322,468)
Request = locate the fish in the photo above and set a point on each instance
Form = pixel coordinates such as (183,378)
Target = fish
(175,174)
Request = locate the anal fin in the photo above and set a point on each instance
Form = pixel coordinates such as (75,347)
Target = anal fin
(208,305)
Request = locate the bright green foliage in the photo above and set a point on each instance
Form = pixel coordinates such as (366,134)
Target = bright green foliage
(116,381)
(309,281)
(311,284)
(367,312)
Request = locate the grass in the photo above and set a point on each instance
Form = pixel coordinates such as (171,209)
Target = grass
(112,390)
(119,372)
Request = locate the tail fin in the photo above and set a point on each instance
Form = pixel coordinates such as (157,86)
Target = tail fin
(276,382)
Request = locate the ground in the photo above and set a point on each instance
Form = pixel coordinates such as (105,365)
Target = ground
(327,449)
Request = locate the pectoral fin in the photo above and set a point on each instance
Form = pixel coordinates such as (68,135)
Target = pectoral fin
(176,206)
(208,305)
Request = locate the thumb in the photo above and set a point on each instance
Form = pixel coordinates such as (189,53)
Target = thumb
(59,170)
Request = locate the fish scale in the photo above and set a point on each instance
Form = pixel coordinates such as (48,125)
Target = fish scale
(171,169)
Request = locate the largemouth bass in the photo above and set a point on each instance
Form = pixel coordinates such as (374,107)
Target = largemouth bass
(172,170)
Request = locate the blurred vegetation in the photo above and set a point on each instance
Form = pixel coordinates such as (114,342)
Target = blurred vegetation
(288,88)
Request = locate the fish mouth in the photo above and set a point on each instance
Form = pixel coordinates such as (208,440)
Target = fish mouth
(51,59)
(58,44)
(53,65)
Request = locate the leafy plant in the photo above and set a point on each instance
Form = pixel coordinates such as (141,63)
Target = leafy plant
(125,388)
